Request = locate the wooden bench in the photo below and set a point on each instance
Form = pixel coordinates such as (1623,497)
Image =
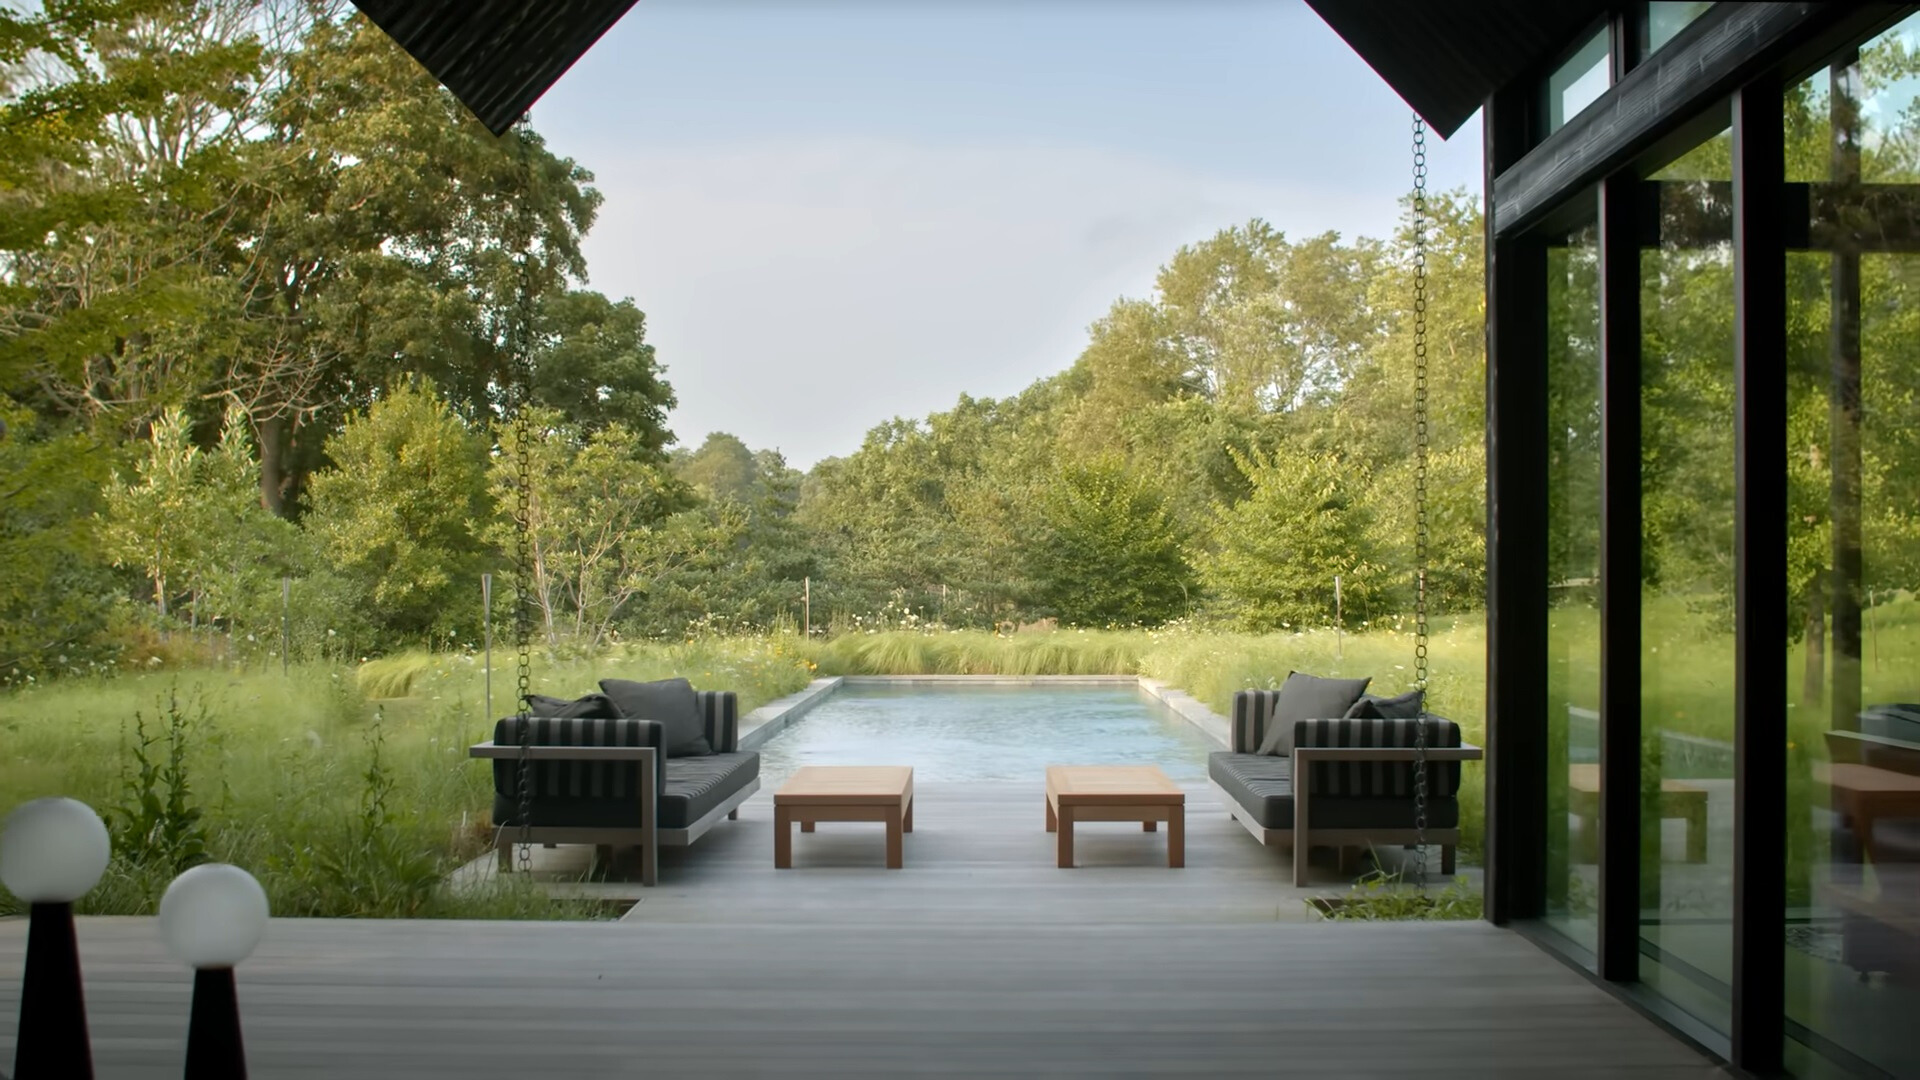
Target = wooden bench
(1678,799)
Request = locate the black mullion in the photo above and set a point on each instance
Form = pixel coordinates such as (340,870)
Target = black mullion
(1621,197)
(1516,544)
(1760,573)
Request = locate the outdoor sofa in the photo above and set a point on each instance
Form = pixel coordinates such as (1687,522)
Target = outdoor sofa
(1319,763)
(640,765)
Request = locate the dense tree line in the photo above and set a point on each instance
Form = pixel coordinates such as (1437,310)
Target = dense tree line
(264,286)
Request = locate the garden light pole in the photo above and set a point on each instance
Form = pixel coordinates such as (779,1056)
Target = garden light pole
(52,852)
(486,622)
(213,917)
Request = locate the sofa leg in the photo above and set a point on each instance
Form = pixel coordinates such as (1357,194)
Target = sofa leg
(602,859)
(649,865)
(505,850)
(1299,861)
(733,814)
(1446,859)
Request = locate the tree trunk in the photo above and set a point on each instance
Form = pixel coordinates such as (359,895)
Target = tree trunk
(1813,676)
(1844,416)
(273,435)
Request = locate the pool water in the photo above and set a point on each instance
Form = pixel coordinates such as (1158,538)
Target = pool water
(988,733)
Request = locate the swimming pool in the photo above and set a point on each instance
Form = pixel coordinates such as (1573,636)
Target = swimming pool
(976,733)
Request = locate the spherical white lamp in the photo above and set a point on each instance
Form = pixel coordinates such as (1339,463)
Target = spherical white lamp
(52,852)
(213,917)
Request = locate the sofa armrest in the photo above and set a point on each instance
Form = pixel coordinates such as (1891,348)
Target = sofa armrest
(650,760)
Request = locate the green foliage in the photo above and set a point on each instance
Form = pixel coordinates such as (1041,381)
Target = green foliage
(155,823)
(1380,895)
(605,524)
(58,596)
(1277,552)
(400,513)
(1107,550)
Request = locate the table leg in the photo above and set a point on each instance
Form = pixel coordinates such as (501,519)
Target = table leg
(1064,846)
(782,838)
(1697,831)
(1052,821)
(1177,837)
(896,846)
(907,825)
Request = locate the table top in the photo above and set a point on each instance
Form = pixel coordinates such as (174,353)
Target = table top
(1112,784)
(1585,778)
(1865,779)
(846,784)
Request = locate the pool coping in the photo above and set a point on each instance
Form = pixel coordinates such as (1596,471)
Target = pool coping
(780,714)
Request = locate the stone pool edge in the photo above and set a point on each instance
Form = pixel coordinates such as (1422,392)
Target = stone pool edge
(778,715)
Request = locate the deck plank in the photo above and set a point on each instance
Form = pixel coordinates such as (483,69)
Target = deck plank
(980,958)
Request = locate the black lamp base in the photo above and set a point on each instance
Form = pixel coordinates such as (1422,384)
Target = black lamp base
(53,1012)
(214,1049)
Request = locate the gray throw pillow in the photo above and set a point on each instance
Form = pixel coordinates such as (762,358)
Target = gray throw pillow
(591,707)
(671,702)
(1307,697)
(1405,707)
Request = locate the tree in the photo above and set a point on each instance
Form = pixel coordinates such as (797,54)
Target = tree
(1278,551)
(58,595)
(605,526)
(722,468)
(403,511)
(1108,551)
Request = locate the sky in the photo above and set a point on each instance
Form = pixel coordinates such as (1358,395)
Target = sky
(834,213)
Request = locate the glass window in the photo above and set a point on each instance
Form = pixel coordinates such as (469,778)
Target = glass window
(1687,584)
(1665,20)
(1573,559)
(1853,482)
(1578,82)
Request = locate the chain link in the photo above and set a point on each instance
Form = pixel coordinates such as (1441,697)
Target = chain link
(520,351)
(1420,523)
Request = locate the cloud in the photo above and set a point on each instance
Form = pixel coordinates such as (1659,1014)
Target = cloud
(801,290)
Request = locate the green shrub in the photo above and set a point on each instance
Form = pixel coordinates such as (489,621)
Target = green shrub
(1380,895)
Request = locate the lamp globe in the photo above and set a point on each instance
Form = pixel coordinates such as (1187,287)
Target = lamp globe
(213,916)
(53,851)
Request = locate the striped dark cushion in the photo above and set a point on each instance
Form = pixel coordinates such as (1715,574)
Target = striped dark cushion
(720,715)
(579,779)
(1252,711)
(1377,779)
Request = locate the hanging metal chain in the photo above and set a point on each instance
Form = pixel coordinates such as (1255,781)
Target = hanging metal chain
(1420,498)
(520,351)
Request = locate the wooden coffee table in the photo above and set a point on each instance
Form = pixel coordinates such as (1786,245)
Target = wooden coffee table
(1139,793)
(1678,799)
(844,793)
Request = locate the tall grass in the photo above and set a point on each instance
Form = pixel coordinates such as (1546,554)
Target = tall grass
(282,768)
(342,798)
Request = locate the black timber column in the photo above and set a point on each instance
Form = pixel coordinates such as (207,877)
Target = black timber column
(1516,544)
(1623,201)
(1760,574)
(1843,406)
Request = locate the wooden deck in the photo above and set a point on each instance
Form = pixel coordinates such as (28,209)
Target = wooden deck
(980,958)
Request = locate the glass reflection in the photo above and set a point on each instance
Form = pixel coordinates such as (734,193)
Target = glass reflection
(1853,479)
(1687,582)
(1578,82)
(1573,558)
